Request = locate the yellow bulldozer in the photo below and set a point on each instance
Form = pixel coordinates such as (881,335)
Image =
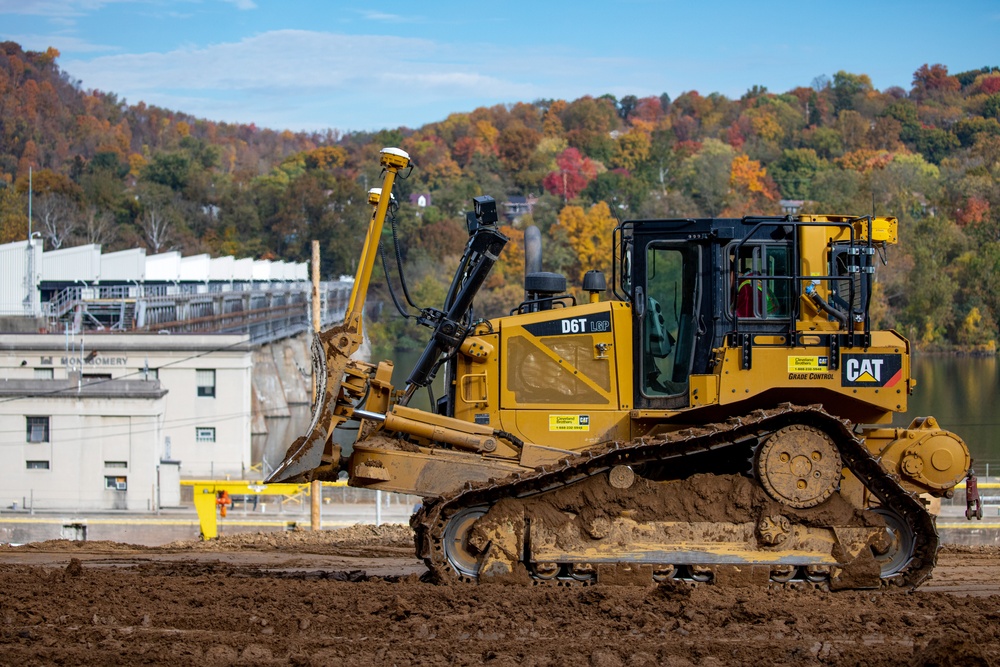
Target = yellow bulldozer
(720,413)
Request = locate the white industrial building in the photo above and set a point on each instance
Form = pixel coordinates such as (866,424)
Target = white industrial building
(86,421)
(122,372)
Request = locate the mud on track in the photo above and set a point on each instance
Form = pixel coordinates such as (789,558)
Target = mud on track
(355,596)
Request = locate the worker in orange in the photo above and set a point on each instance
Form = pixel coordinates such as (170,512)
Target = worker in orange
(223,501)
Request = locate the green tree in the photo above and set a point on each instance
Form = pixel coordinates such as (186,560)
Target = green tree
(935,144)
(706,175)
(795,171)
(619,189)
(847,88)
(169,169)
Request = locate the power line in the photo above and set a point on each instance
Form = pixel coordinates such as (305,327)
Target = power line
(65,391)
(130,432)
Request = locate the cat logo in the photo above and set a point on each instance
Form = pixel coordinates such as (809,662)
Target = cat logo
(871,370)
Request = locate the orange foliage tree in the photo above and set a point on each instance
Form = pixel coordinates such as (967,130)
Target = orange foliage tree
(588,234)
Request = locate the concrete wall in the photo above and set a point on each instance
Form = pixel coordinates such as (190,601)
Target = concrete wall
(281,377)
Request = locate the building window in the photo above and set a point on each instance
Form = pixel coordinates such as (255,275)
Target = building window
(206,382)
(44,374)
(116,464)
(115,483)
(38,429)
(204,434)
(38,465)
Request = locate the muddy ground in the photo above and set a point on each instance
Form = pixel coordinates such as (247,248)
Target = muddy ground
(354,596)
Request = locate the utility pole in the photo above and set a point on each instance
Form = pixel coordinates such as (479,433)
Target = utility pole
(316,488)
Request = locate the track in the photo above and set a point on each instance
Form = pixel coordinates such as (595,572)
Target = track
(431,524)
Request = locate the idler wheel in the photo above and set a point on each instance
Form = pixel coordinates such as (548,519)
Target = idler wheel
(799,466)
(893,556)
(456,541)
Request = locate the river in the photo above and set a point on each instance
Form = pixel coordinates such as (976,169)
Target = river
(962,392)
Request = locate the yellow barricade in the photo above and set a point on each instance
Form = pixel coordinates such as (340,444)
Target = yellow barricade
(206,495)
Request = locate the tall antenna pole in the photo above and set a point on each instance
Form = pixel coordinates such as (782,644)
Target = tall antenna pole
(316,487)
(29,205)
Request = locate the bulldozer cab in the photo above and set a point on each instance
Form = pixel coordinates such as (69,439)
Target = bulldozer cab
(697,285)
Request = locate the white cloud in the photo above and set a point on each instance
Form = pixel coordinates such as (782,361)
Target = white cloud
(65,43)
(304,79)
(293,60)
(54,8)
(76,8)
(387,18)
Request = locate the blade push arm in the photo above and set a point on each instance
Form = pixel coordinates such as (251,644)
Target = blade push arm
(315,455)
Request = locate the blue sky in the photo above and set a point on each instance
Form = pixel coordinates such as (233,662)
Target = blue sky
(298,65)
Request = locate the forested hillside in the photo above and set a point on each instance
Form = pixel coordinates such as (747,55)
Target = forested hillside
(127,175)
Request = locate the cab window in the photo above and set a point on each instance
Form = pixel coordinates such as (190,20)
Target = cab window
(753,295)
(669,321)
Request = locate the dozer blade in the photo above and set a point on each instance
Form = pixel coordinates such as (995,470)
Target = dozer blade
(309,457)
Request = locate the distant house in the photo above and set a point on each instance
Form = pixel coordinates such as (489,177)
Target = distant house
(518,206)
(791,206)
(421,200)
(925,207)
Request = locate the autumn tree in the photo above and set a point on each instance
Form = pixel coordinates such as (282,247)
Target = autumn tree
(13,215)
(326,158)
(751,191)
(572,173)
(588,122)
(632,149)
(552,124)
(588,233)
(933,82)
(853,129)
(515,147)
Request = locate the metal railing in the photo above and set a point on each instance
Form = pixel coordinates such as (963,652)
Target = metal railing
(266,312)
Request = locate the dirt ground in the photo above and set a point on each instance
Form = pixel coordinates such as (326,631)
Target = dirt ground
(354,596)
